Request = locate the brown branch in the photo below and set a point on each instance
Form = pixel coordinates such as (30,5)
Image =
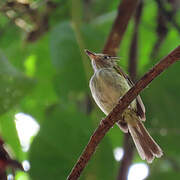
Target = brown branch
(162,31)
(7,162)
(125,11)
(134,43)
(112,118)
(169,15)
(128,146)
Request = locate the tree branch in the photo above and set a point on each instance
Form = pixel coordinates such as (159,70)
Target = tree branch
(125,11)
(124,102)
(168,15)
(128,145)
(133,53)
(7,162)
(162,31)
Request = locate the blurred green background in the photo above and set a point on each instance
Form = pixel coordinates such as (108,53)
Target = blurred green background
(44,92)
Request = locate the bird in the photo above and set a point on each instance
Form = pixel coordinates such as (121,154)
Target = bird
(108,85)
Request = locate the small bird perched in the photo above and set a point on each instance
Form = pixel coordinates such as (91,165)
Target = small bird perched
(108,84)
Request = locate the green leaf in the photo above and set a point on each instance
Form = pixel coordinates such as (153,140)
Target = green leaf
(13,85)
(62,137)
(67,60)
(38,65)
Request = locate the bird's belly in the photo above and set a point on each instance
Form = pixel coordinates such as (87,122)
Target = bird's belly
(107,89)
(107,99)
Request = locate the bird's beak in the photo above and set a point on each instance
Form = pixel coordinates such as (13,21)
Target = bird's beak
(115,58)
(90,54)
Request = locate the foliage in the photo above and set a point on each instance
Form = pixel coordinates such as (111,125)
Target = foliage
(48,79)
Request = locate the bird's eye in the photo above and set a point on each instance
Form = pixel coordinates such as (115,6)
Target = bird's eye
(106,57)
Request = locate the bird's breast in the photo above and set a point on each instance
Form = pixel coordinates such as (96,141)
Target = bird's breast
(107,86)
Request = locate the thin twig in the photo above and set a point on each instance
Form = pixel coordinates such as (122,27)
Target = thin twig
(133,53)
(123,103)
(168,15)
(162,32)
(125,11)
(128,147)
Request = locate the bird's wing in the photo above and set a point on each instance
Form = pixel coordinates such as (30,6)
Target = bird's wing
(140,106)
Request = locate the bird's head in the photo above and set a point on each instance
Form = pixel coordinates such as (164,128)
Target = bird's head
(101,60)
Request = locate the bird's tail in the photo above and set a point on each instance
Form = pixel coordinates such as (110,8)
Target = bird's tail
(146,146)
